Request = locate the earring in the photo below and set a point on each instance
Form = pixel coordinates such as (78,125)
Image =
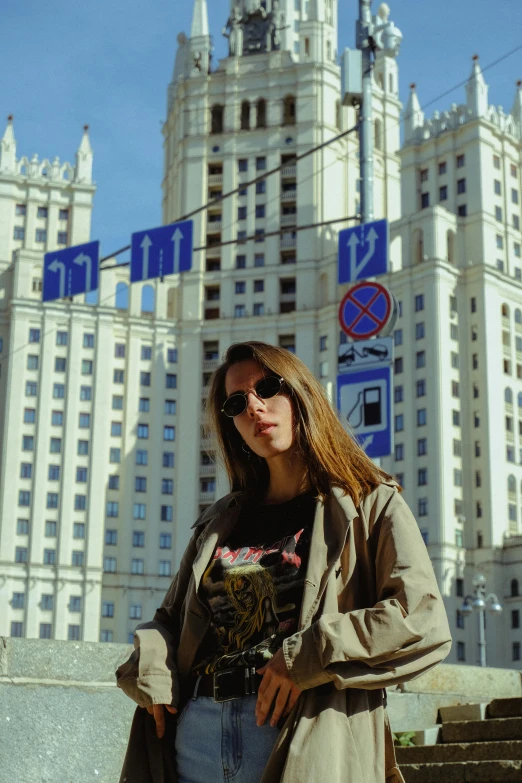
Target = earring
(246,450)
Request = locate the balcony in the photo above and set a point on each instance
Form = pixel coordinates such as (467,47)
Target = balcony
(214,224)
(207,497)
(207,470)
(289,195)
(209,365)
(288,240)
(215,179)
(289,171)
(289,220)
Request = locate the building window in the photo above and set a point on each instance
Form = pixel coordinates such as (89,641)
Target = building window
(399,422)
(459,539)
(419,331)
(138,538)
(164,568)
(461,186)
(422,447)
(79,530)
(165,541)
(137,565)
(398,365)
(462,210)
(168,459)
(455,389)
(461,161)
(422,477)
(421,417)
(41,235)
(420,388)
(17,630)
(420,359)
(139,511)
(425,200)
(461,651)
(515,617)
(397,336)
(516,651)
(443,193)
(18,601)
(166,514)
(398,394)
(423,507)
(109,565)
(419,302)
(167,486)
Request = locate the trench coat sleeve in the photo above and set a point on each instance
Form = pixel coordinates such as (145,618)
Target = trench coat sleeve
(404,634)
(149,676)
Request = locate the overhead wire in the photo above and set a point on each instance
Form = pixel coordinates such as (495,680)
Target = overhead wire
(395,124)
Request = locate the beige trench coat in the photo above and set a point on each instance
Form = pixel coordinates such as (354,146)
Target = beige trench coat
(372,617)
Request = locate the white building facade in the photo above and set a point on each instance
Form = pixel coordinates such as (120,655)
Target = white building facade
(261,272)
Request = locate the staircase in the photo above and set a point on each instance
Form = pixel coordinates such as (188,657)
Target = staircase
(470,751)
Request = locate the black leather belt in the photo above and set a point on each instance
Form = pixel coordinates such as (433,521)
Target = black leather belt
(230,684)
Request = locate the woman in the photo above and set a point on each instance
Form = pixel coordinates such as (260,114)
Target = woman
(302,595)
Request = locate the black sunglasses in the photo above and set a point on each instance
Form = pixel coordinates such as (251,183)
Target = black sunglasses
(264,388)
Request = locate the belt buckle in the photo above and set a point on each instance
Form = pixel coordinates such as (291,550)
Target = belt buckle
(249,685)
(216,678)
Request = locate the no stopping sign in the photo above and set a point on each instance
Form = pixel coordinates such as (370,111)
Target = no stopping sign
(367,309)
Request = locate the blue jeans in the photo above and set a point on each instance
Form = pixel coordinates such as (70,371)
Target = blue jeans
(217,742)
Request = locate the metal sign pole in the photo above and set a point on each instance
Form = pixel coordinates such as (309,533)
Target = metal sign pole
(366,111)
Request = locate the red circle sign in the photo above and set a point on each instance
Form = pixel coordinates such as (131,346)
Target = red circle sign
(366,310)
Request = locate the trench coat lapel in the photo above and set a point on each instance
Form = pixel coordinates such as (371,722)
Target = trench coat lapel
(330,529)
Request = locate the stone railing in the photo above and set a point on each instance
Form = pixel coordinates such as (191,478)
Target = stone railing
(64,720)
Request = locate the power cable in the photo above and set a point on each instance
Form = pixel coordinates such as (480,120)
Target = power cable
(292,160)
(429,103)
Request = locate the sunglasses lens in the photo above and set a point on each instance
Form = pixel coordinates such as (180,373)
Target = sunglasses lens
(235,405)
(268,387)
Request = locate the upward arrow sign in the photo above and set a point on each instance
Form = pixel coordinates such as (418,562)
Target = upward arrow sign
(177,236)
(59,266)
(356,267)
(146,243)
(352,244)
(85,259)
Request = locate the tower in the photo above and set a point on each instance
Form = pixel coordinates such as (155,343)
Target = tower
(477,91)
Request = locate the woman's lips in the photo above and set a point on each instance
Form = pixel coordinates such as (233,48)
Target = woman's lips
(265,430)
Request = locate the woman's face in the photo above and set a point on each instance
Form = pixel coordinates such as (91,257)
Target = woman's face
(266,426)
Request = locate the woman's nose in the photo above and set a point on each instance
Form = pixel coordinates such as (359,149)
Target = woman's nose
(254,403)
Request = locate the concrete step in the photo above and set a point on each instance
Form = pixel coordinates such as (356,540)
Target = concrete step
(505,708)
(460,751)
(463,712)
(481,730)
(464,772)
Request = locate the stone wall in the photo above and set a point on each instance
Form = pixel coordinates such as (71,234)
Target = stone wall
(62,719)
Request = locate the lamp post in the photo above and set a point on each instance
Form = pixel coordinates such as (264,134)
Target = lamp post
(478,604)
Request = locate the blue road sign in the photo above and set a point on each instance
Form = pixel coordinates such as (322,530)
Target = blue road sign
(161,251)
(71,271)
(364,399)
(363,251)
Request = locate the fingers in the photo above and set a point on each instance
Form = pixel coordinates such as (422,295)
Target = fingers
(282,698)
(292,699)
(173,710)
(159,717)
(265,697)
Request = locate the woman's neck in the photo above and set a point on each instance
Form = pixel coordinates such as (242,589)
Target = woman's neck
(288,478)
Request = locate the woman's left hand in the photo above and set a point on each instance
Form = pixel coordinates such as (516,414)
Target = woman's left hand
(276,684)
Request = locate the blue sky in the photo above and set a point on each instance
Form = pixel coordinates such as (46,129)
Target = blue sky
(108,64)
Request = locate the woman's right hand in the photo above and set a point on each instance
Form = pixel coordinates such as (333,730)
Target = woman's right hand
(159,716)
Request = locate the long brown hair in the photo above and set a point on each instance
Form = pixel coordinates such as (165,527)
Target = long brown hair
(332,455)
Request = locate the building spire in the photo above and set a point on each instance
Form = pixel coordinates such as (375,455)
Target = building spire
(199,19)
(477,91)
(516,111)
(413,116)
(84,159)
(8,149)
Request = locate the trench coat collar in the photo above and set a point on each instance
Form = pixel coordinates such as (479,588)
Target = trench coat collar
(331,525)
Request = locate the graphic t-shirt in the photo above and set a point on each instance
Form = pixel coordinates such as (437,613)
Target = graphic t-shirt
(253,587)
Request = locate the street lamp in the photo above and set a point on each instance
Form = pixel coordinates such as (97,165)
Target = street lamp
(479,603)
